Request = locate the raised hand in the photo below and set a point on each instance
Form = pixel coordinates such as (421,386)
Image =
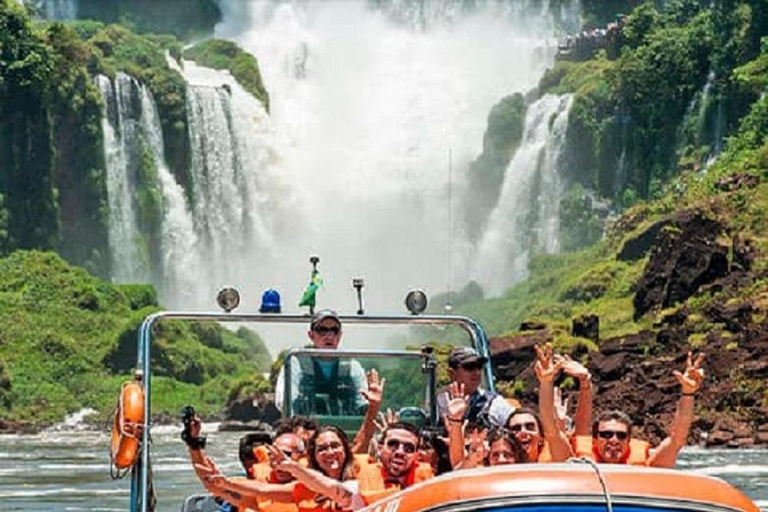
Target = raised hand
(276,456)
(571,367)
(694,375)
(546,368)
(477,444)
(375,391)
(386,419)
(458,403)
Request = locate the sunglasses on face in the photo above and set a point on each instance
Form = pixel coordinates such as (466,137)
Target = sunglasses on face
(518,427)
(608,434)
(394,444)
(333,445)
(471,367)
(322,331)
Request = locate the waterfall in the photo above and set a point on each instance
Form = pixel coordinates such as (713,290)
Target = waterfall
(180,266)
(131,126)
(233,159)
(56,10)
(527,216)
(120,123)
(366,106)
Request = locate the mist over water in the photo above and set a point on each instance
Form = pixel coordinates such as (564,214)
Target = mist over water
(368,104)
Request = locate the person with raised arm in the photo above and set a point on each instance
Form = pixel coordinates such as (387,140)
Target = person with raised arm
(373,395)
(321,486)
(611,441)
(546,371)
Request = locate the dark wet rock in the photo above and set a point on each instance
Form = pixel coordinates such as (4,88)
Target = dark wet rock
(744,252)
(634,343)
(685,256)
(245,426)
(736,317)
(637,247)
(531,325)
(719,438)
(736,181)
(246,410)
(586,326)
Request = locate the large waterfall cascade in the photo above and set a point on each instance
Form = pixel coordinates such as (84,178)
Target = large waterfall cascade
(352,162)
(527,215)
(239,195)
(367,107)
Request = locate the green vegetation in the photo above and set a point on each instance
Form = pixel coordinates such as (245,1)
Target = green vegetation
(68,339)
(186,20)
(220,54)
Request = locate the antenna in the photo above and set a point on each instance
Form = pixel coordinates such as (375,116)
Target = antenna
(448,298)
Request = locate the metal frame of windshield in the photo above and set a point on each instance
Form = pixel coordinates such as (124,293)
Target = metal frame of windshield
(140,473)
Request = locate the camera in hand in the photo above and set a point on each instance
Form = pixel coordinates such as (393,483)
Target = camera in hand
(187,415)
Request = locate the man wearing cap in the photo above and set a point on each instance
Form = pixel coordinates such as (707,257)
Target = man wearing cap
(465,367)
(322,385)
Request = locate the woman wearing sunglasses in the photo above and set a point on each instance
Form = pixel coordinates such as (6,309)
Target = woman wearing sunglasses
(323,486)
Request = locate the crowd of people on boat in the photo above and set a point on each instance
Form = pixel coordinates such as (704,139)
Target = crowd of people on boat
(304,466)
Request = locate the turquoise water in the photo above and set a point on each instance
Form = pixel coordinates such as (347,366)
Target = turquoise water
(69,471)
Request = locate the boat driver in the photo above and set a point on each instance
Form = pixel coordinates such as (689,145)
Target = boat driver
(327,386)
(465,368)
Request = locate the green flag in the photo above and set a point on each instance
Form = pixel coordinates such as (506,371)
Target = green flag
(315,282)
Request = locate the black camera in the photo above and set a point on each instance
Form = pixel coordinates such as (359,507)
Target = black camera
(187,415)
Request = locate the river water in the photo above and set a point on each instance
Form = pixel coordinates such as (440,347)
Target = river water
(69,471)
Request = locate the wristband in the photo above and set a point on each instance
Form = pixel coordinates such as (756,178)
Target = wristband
(196,443)
(689,394)
(454,420)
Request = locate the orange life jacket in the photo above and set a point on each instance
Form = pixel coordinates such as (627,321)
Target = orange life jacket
(359,460)
(639,450)
(371,480)
(544,454)
(308,500)
(264,473)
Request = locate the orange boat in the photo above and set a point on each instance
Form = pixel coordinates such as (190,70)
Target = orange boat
(576,486)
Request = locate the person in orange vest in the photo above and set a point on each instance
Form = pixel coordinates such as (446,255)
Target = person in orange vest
(612,443)
(319,487)
(540,435)
(398,467)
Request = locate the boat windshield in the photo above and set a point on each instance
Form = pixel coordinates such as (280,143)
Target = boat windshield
(294,376)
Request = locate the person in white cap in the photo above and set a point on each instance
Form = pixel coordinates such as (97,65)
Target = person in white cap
(342,382)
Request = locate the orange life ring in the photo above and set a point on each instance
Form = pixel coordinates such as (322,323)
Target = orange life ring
(127,428)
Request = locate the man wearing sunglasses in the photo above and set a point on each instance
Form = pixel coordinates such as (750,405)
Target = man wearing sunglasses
(465,368)
(612,442)
(324,386)
(399,466)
